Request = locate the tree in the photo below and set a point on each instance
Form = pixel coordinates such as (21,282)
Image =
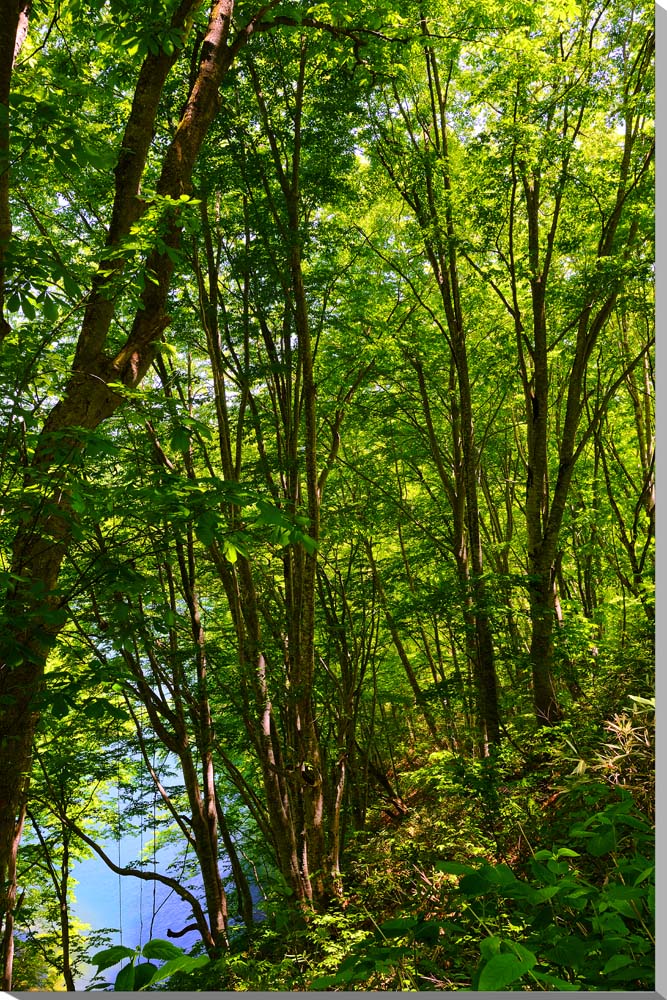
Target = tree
(32,604)
(558,257)
(413,145)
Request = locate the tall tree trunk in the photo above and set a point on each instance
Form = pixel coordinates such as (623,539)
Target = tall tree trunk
(63,906)
(422,708)
(545,502)
(32,615)
(206,845)
(309,765)
(9,896)
(14,15)
(246,909)
(461,490)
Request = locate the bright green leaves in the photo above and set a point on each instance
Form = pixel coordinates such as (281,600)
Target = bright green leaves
(185,963)
(164,950)
(125,267)
(185,429)
(138,975)
(180,439)
(207,526)
(574,933)
(604,831)
(204,503)
(61,705)
(283,530)
(367,960)
(29,303)
(111,956)
(70,692)
(139,39)
(134,977)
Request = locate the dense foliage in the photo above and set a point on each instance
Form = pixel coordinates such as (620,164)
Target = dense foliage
(328,493)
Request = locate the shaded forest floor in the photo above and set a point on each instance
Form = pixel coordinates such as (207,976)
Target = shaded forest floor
(529,870)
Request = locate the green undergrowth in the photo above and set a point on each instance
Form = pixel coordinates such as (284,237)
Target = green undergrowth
(529,870)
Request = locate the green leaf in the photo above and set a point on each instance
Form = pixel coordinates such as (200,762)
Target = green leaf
(454,868)
(647,873)
(309,543)
(398,927)
(502,876)
(490,946)
(548,892)
(429,931)
(110,956)
(72,287)
(230,552)
(616,962)
(143,974)
(570,952)
(323,982)
(183,964)
(28,307)
(649,702)
(625,908)
(602,843)
(205,528)
(158,948)
(475,884)
(271,515)
(180,439)
(95,709)
(500,971)
(526,956)
(60,706)
(125,978)
(558,984)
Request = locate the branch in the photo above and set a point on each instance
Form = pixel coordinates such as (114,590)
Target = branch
(335,427)
(127,207)
(197,911)
(357,34)
(156,780)
(601,408)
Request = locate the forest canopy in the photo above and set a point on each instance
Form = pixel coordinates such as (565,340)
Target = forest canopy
(327,491)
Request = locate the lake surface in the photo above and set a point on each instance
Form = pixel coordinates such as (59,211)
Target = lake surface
(136,910)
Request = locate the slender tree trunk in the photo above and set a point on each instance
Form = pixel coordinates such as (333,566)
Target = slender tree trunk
(466,538)
(14,16)
(206,846)
(309,758)
(63,906)
(9,897)
(400,649)
(246,909)
(297,769)
(542,616)
(439,236)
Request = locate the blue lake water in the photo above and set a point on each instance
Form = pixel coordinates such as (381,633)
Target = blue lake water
(137,909)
